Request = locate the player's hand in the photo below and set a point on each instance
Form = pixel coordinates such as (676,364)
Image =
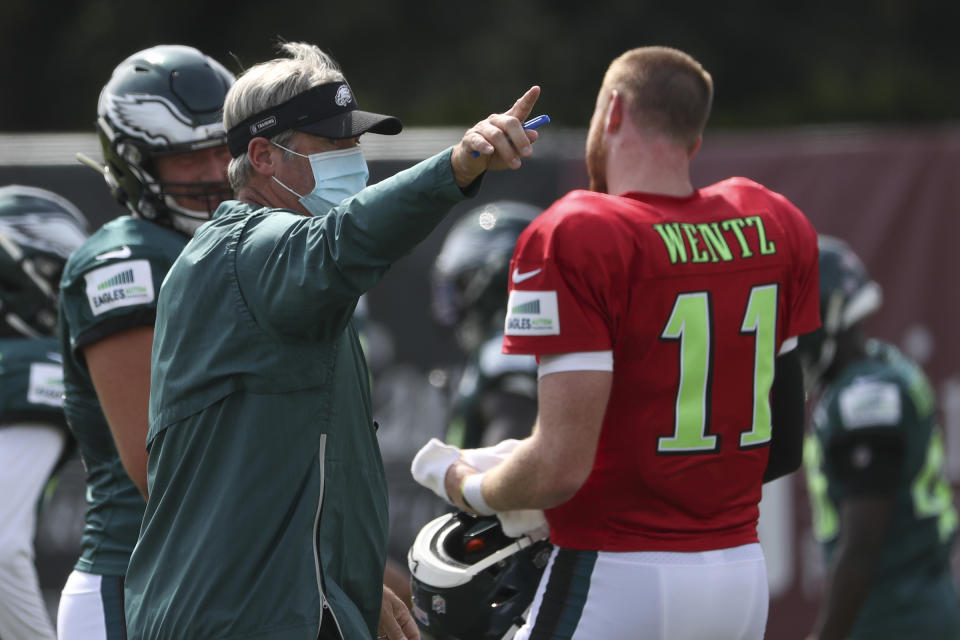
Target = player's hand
(453,483)
(396,623)
(500,141)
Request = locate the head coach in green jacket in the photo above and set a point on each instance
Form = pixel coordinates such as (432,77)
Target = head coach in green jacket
(267,515)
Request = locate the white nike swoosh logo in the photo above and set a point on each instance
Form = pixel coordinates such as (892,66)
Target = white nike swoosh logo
(520,277)
(123,252)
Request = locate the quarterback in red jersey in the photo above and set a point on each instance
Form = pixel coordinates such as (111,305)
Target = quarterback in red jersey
(664,319)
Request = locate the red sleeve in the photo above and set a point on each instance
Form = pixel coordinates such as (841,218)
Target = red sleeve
(560,276)
(804,286)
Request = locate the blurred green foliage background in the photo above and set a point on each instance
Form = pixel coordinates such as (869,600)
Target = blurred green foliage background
(451,63)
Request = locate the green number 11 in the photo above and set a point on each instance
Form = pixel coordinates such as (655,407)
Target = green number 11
(690,324)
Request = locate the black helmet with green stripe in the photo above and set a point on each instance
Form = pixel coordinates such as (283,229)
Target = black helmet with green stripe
(847,296)
(164,100)
(38,231)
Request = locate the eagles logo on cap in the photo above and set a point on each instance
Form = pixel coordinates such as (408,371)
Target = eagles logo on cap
(343,96)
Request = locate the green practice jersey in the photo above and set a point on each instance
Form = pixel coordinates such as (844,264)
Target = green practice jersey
(268,503)
(886,398)
(31,381)
(109,285)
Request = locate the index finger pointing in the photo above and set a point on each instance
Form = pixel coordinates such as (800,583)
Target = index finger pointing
(522,107)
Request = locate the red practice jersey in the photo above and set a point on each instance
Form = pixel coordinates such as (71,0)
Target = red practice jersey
(695,297)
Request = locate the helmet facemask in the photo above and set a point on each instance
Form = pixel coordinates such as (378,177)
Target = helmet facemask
(130,173)
(184,219)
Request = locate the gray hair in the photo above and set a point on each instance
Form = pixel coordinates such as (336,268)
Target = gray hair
(269,84)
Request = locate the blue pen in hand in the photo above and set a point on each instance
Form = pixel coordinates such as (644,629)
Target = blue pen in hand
(532,123)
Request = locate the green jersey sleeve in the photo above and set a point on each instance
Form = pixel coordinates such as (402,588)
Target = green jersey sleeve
(110,284)
(31,381)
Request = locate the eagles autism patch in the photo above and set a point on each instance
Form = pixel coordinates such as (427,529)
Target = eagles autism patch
(870,403)
(123,284)
(46,384)
(532,313)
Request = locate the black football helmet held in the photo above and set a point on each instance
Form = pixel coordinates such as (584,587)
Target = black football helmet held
(469,276)
(164,100)
(38,231)
(470,581)
(847,296)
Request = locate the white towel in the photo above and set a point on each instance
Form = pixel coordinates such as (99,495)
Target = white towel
(430,465)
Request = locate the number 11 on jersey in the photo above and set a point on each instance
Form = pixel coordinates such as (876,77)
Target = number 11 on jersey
(691,324)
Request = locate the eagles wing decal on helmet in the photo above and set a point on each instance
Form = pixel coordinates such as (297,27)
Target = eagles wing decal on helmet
(44,233)
(131,112)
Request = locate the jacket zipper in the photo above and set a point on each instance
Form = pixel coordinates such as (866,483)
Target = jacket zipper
(326,610)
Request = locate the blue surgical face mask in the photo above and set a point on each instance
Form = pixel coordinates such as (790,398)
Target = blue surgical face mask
(337,175)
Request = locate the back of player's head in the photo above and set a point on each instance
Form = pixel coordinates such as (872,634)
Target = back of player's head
(38,231)
(469,275)
(667,91)
(162,101)
(847,296)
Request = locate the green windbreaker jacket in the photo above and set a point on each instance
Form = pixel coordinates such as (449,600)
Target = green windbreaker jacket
(267,514)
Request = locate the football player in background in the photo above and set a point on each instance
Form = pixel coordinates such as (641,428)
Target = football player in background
(496,395)
(164,158)
(38,230)
(874,459)
(493,396)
